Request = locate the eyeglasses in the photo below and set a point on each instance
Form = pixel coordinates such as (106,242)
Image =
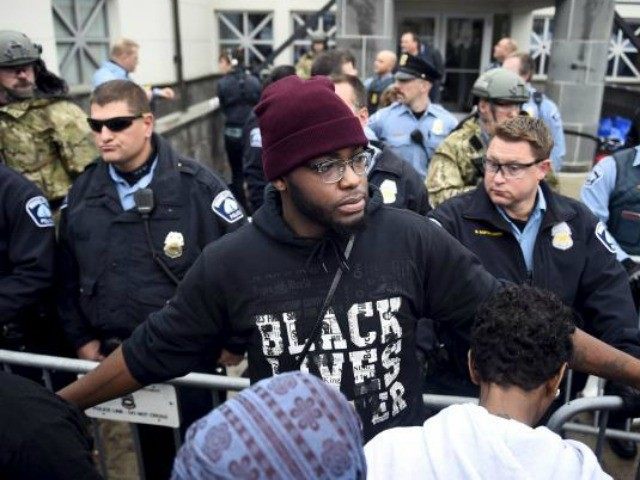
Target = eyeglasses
(509,170)
(331,170)
(115,124)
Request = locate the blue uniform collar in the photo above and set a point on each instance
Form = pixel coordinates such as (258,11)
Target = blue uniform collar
(636,160)
(407,110)
(116,68)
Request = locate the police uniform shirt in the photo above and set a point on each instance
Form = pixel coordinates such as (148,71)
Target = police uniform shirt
(394,124)
(597,190)
(547,111)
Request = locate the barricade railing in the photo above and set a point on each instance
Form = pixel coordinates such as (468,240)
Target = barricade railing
(48,364)
(559,421)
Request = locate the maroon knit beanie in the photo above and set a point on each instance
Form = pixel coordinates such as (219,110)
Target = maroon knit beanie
(301,120)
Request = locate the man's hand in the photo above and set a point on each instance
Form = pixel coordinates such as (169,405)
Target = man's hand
(633,271)
(90,351)
(229,359)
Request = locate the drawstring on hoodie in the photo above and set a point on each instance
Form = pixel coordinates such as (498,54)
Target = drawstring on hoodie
(319,252)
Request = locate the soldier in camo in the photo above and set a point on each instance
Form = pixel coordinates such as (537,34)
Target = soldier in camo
(43,135)
(456,166)
(318,45)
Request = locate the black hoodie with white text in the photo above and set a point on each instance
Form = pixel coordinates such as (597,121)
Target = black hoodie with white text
(266,285)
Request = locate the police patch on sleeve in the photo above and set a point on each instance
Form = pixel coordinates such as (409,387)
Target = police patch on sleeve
(605,237)
(255,138)
(594,176)
(39,211)
(226,207)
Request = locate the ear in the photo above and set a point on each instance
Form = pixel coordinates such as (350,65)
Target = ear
(544,167)
(148,120)
(363,115)
(279,184)
(553,384)
(473,373)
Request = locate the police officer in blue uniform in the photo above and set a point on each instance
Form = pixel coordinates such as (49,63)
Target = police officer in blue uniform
(26,262)
(238,92)
(539,105)
(132,225)
(413,127)
(524,232)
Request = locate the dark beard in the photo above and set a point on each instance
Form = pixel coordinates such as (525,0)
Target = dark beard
(318,215)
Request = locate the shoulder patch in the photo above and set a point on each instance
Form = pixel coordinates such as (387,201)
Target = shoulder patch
(605,237)
(39,211)
(594,176)
(255,138)
(226,207)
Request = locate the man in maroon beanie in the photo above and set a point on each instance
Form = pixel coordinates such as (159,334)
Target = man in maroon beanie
(326,279)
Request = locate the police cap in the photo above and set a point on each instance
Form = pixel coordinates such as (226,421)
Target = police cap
(411,67)
(16,49)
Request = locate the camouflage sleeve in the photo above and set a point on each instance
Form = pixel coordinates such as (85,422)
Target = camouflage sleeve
(445,179)
(73,137)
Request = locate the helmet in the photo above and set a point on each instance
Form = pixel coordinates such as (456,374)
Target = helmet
(318,36)
(16,49)
(502,85)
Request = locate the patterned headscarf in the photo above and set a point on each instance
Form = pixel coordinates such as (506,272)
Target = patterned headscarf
(289,426)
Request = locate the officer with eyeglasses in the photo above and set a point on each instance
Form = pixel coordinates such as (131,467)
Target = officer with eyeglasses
(456,166)
(524,232)
(131,227)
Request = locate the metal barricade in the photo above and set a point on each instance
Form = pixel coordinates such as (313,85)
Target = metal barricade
(48,364)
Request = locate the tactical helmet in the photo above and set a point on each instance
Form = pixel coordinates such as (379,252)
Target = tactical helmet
(16,49)
(502,85)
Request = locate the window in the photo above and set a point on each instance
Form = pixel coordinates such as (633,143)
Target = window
(82,38)
(540,49)
(252,32)
(326,23)
(622,56)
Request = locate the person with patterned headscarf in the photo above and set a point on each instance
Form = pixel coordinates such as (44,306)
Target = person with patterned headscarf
(288,426)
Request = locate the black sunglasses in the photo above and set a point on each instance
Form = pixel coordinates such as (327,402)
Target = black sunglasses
(115,124)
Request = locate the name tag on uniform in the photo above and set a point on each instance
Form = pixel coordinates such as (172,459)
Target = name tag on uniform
(152,405)
(487,233)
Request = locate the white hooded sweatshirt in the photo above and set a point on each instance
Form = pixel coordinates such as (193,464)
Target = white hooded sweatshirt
(467,442)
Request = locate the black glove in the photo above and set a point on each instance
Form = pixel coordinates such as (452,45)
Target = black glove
(633,271)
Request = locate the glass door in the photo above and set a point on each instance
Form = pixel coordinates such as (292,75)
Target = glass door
(464,41)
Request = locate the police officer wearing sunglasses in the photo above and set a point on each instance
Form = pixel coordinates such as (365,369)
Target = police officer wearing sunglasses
(132,225)
(524,232)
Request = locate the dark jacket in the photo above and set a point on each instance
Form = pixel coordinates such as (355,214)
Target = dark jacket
(238,92)
(252,161)
(399,183)
(110,282)
(42,436)
(266,284)
(583,272)
(26,250)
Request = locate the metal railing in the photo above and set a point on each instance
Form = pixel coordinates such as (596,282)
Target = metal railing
(559,422)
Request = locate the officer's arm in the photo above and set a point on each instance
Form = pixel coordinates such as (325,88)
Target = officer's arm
(375,123)
(72,137)
(30,251)
(552,117)
(252,165)
(111,379)
(604,299)
(444,179)
(597,190)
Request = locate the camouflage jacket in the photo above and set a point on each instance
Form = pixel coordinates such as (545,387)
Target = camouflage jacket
(456,166)
(303,67)
(48,141)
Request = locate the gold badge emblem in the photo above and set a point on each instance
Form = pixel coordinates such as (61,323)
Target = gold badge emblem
(173,244)
(438,127)
(561,236)
(403,59)
(389,191)
(374,98)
